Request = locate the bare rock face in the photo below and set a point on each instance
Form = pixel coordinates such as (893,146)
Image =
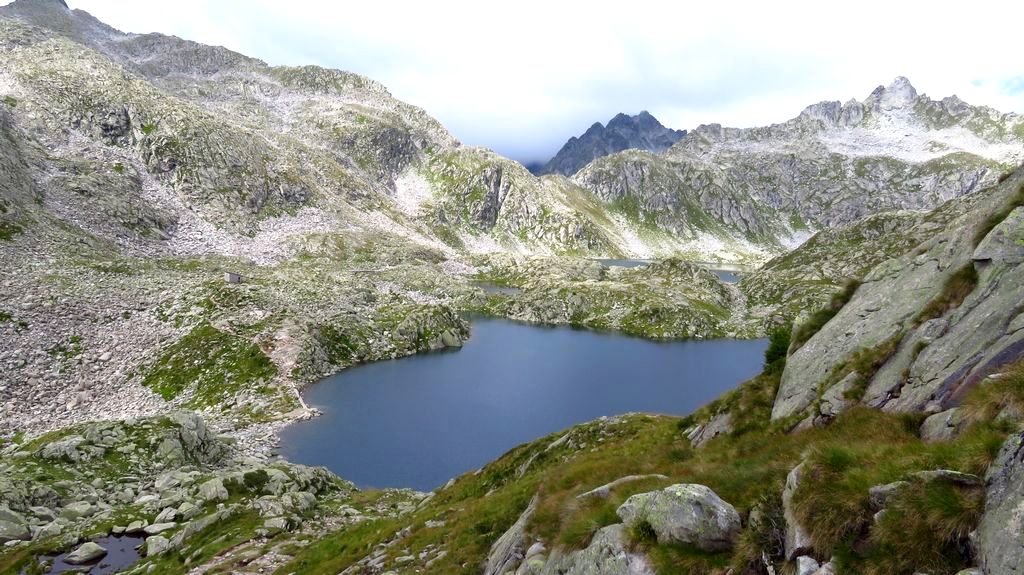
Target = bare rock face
(685,513)
(1000,534)
(1004,244)
(936,359)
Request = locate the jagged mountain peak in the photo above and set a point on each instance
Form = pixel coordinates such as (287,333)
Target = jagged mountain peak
(41,4)
(898,94)
(642,131)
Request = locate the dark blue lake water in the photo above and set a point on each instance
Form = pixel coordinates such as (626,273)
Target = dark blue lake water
(421,420)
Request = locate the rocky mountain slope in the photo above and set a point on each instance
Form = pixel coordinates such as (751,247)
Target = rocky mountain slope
(228,148)
(832,165)
(640,132)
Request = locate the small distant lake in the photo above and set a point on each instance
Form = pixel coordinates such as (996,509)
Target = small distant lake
(614,263)
(421,420)
(726,276)
(725,272)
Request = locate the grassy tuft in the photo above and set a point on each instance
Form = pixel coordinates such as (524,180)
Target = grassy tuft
(764,535)
(866,363)
(778,347)
(8,230)
(675,558)
(954,292)
(832,500)
(925,528)
(995,219)
(992,396)
(642,533)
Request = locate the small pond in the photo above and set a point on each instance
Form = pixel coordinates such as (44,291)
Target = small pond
(122,553)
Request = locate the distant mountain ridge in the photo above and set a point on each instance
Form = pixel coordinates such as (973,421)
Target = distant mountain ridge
(642,132)
(222,153)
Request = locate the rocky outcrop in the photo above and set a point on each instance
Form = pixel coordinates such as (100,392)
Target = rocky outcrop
(607,554)
(1000,534)
(654,301)
(640,132)
(945,331)
(720,424)
(797,540)
(604,491)
(510,549)
(685,513)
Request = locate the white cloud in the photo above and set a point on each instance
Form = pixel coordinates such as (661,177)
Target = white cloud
(522,77)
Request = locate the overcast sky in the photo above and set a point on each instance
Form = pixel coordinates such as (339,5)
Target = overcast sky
(521,77)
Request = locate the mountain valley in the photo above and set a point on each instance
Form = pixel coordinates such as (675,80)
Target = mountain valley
(191,237)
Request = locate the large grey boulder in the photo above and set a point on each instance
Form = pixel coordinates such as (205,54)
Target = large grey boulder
(77,510)
(806,566)
(1000,533)
(607,554)
(86,553)
(685,513)
(13,526)
(63,450)
(156,545)
(942,426)
(213,490)
(798,541)
(157,528)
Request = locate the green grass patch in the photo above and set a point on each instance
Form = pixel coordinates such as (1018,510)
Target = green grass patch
(217,363)
(956,289)
(925,529)
(675,558)
(10,101)
(8,230)
(993,396)
(832,501)
(778,348)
